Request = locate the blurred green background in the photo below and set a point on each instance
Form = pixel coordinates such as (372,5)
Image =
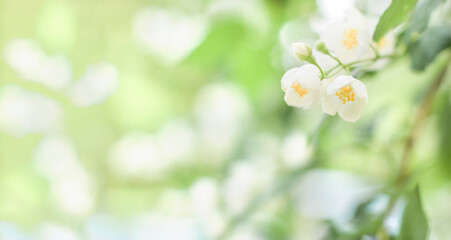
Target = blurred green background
(164,119)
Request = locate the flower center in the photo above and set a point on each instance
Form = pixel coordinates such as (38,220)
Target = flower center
(346,94)
(299,89)
(383,42)
(349,38)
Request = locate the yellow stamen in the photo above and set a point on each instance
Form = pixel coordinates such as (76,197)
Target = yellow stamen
(298,89)
(349,38)
(346,94)
(383,42)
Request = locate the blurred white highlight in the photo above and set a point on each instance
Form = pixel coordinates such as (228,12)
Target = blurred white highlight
(168,35)
(164,227)
(98,83)
(23,112)
(177,141)
(30,63)
(52,231)
(318,188)
(10,231)
(25,57)
(244,182)
(137,155)
(73,190)
(295,151)
(223,113)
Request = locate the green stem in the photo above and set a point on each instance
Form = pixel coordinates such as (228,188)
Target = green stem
(336,59)
(330,70)
(349,65)
(335,73)
(417,124)
(404,172)
(376,52)
(321,70)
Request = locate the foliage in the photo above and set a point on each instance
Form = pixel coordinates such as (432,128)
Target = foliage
(195,141)
(395,14)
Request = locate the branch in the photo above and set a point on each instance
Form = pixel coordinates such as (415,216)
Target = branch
(423,111)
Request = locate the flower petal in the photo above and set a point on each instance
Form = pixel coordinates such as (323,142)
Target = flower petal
(351,111)
(292,75)
(338,83)
(331,104)
(310,71)
(311,98)
(293,99)
(354,16)
(360,90)
(324,61)
(363,40)
(333,33)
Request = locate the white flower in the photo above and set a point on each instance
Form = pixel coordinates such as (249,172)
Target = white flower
(302,86)
(385,46)
(347,96)
(348,38)
(301,50)
(324,61)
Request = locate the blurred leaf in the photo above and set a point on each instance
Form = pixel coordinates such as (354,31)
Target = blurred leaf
(443,112)
(364,222)
(231,34)
(414,223)
(420,18)
(393,16)
(424,51)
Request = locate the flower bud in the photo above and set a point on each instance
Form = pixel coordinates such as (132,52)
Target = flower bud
(321,47)
(302,51)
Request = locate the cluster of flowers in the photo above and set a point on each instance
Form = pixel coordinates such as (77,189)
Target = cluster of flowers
(345,45)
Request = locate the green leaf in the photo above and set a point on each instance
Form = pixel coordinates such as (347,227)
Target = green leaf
(414,223)
(433,41)
(393,16)
(420,18)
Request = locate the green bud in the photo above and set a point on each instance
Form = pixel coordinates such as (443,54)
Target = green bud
(302,51)
(321,47)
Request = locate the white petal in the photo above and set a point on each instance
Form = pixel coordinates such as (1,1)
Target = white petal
(324,61)
(308,76)
(360,90)
(390,42)
(351,111)
(301,48)
(332,35)
(289,77)
(310,79)
(354,16)
(372,23)
(331,104)
(363,42)
(311,98)
(310,71)
(293,99)
(338,83)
